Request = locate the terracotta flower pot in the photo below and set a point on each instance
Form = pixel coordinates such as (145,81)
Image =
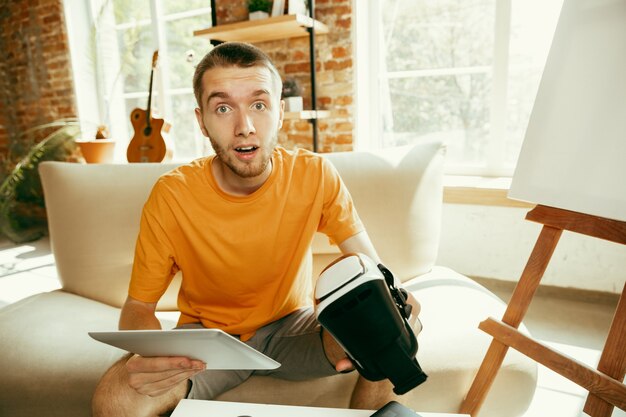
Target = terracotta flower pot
(99,151)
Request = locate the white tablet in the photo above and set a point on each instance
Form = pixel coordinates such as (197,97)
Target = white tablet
(217,349)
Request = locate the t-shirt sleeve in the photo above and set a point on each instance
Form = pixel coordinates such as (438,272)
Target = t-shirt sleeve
(339,219)
(153,265)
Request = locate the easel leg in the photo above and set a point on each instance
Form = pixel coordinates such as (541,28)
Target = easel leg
(516,309)
(613,359)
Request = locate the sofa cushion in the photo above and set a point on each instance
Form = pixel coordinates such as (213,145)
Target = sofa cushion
(452,347)
(51,359)
(50,365)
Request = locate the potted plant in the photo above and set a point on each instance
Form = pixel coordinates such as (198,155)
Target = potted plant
(22,208)
(99,150)
(292,95)
(259,9)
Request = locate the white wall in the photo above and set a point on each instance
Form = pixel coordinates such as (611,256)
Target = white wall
(495,242)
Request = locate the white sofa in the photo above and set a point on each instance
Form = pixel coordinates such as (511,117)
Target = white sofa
(50,366)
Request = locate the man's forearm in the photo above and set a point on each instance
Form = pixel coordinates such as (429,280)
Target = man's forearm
(137,315)
(360,243)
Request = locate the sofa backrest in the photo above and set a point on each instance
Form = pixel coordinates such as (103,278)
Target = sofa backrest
(94,211)
(398,194)
(93,219)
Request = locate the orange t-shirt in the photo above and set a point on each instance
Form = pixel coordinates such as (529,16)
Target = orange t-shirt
(241,257)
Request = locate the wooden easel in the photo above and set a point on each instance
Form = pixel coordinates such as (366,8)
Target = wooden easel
(605,385)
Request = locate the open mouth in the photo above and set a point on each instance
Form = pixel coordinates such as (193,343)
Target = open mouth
(246,149)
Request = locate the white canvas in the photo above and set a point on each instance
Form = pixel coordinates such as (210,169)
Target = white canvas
(574,152)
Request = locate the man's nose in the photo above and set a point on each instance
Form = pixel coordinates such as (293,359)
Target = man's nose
(245,125)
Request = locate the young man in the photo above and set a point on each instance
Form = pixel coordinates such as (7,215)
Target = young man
(238,225)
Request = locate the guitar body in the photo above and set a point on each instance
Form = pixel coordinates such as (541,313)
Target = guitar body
(147,144)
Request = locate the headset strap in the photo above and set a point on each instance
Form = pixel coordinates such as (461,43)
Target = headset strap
(399,295)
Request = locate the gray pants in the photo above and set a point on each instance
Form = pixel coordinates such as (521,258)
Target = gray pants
(294,341)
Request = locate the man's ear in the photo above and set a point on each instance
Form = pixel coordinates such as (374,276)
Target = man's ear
(200,122)
(281,114)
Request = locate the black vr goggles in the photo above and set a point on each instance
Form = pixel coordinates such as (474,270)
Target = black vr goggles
(358,303)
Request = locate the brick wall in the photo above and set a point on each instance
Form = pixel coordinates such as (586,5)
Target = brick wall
(35,71)
(335,76)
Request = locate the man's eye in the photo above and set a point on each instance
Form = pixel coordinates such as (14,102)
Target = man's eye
(222,109)
(259,106)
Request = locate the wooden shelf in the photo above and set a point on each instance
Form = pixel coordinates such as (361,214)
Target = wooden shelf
(306,114)
(272,28)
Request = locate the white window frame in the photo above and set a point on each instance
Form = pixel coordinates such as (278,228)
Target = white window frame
(370,69)
(92,76)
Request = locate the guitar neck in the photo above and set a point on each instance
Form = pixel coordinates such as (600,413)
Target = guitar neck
(148,111)
(155,57)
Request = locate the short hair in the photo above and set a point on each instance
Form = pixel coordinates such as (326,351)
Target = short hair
(232,54)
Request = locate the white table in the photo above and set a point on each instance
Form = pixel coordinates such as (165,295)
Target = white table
(197,408)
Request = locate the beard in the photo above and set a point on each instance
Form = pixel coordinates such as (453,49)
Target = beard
(246,169)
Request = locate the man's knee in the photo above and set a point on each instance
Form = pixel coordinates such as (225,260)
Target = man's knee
(334,352)
(372,395)
(109,387)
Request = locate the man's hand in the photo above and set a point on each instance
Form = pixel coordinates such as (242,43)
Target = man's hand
(156,376)
(335,353)
(153,376)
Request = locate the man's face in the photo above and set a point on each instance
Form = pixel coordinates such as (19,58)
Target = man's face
(241,115)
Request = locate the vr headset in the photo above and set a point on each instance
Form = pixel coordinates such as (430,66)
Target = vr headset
(357,302)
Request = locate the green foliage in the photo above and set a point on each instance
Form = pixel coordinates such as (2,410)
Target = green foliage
(22,208)
(259,6)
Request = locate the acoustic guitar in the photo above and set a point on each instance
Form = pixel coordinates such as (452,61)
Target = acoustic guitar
(147,144)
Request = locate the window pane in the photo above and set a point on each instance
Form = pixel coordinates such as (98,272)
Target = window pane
(136,57)
(135,31)
(180,41)
(431,34)
(188,140)
(437,73)
(449,44)
(177,6)
(128,11)
(453,108)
